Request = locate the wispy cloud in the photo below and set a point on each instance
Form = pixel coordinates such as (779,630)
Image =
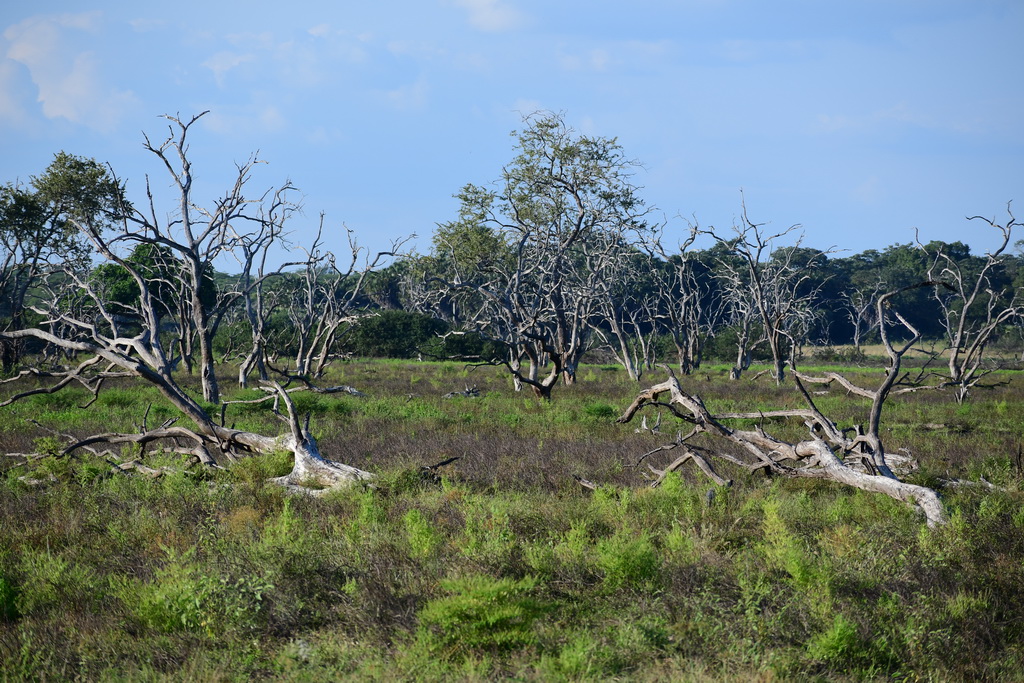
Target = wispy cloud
(245,121)
(596,59)
(613,54)
(12,113)
(492,15)
(69,83)
(223,62)
(898,113)
(745,51)
(411,96)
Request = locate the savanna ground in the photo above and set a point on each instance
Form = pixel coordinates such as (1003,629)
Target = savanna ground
(503,566)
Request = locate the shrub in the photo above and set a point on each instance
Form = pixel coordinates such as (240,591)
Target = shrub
(420,534)
(839,644)
(8,599)
(481,614)
(184,597)
(628,559)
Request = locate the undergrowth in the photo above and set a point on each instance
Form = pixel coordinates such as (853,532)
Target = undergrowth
(498,565)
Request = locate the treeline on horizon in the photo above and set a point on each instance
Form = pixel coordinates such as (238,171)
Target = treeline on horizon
(558,255)
(839,290)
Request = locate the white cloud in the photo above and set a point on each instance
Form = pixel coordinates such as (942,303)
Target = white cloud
(762,50)
(264,40)
(898,113)
(322,135)
(320,30)
(491,15)
(223,62)
(69,84)
(633,54)
(596,59)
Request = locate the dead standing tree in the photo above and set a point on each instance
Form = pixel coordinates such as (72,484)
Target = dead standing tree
(626,314)
(974,307)
(768,286)
(853,456)
(859,305)
(251,251)
(688,307)
(197,237)
(325,299)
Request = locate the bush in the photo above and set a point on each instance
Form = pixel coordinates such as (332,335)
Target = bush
(628,560)
(392,334)
(481,614)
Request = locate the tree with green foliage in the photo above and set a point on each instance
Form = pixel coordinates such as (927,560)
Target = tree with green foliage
(38,228)
(524,259)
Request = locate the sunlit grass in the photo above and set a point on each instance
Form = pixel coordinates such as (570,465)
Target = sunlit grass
(501,566)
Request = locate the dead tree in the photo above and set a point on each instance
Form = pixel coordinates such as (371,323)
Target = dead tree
(625,314)
(110,337)
(325,299)
(859,304)
(974,307)
(251,252)
(854,456)
(688,308)
(196,237)
(768,286)
(77,319)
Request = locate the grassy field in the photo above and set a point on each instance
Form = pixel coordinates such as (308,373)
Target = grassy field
(503,566)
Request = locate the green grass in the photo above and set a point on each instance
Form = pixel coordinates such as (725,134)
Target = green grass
(504,567)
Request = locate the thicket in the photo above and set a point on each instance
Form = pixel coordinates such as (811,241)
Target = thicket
(499,564)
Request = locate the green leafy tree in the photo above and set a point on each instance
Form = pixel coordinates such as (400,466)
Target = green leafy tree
(523,262)
(393,334)
(38,228)
(159,267)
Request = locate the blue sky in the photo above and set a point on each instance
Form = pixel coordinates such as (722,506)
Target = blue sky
(861,121)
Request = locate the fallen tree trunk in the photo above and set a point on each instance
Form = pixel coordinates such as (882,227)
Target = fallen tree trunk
(140,358)
(812,458)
